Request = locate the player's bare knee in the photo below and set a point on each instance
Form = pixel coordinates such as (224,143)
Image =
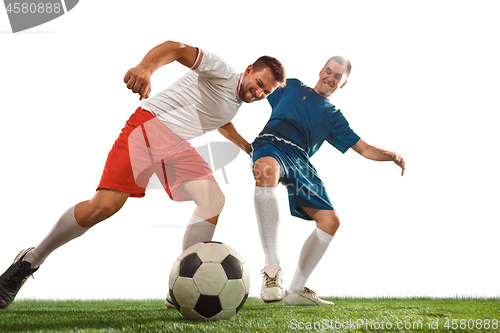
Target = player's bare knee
(217,202)
(329,225)
(265,174)
(212,204)
(335,223)
(258,171)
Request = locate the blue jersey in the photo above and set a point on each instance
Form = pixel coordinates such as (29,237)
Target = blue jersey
(307,119)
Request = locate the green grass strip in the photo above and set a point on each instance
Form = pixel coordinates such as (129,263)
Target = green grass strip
(348,315)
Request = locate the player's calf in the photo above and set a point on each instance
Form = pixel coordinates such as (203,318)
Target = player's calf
(103,205)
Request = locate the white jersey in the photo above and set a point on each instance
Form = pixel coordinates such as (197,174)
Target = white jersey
(203,100)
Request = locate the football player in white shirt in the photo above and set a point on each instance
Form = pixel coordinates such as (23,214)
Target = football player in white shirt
(154,141)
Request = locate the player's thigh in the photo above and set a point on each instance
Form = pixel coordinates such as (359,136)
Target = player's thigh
(104,204)
(110,198)
(266,171)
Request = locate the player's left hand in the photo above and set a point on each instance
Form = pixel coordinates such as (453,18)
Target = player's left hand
(396,158)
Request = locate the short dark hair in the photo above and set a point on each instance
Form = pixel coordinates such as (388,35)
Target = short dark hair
(341,61)
(274,65)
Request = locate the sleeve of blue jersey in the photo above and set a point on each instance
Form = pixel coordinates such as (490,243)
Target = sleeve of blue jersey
(275,97)
(342,136)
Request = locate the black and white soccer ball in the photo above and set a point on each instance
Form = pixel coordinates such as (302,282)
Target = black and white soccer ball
(209,281)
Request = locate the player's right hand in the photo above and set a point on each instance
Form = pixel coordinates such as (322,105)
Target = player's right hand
(138,79)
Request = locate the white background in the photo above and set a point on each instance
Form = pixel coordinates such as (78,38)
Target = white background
(424,83)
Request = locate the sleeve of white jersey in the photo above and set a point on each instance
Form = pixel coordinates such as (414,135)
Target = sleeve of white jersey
(211,65)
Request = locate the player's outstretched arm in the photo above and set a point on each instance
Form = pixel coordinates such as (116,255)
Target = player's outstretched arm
(230,132)
(138,79)
(378,154)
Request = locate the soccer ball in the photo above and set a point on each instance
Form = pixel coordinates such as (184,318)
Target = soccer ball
(209,281)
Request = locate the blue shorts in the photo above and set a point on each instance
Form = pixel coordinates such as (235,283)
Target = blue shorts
(305,188)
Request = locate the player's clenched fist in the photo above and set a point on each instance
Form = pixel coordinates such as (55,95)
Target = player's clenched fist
(138,79)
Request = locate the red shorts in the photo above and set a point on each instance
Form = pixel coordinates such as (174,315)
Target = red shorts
(146,146)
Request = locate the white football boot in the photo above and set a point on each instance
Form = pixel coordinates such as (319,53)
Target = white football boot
(272,284)
(305,297)
(169,304)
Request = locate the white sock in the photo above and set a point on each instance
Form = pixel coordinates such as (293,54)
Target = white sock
(65,229)
(313,250)
(267,213)
(197,230)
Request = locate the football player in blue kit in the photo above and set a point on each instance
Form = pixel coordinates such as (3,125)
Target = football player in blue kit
(302,119)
